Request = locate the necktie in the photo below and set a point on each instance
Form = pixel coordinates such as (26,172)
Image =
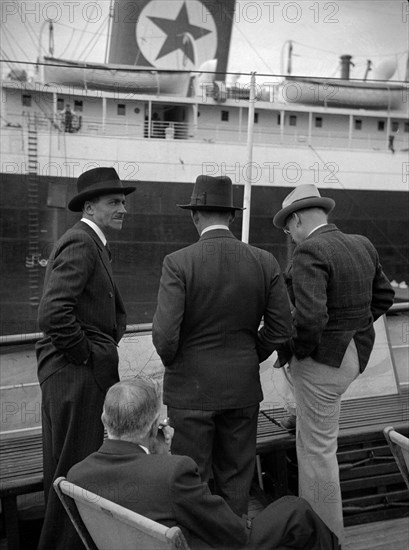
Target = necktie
(108,252)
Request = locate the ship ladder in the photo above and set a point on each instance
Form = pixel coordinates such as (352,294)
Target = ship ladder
(33,256)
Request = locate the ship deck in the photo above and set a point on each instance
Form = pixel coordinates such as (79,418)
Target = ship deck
(392,534)
(387,375)
(381,535)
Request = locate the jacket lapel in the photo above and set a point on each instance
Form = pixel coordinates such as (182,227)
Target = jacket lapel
(101,249)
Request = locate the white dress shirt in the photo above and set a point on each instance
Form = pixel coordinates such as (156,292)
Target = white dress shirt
(211,227)
(97,230)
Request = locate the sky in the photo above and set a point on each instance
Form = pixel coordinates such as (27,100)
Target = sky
(321,31)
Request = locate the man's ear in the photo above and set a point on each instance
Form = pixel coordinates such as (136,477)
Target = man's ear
(195,216)
(153,430)
(88,207)
(232,216)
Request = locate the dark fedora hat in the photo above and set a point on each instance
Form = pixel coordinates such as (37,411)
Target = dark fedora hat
(303,196)
(94,183)
(212,193)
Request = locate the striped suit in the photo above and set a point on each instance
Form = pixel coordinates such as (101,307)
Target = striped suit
(83,318)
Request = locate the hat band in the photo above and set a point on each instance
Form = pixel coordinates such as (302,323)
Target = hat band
(107,184)
(199,200)
(302,199)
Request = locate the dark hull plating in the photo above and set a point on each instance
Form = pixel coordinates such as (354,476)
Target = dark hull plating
(155,227)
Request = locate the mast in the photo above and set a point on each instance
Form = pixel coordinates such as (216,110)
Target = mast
(110,17)
(249,172)
(289,61)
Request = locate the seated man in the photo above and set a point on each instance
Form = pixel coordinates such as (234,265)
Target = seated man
(168,489)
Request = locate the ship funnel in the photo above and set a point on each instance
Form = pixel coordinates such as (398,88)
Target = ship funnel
(171,36)
(346,63)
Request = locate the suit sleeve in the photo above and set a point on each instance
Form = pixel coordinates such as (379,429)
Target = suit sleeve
(382,293)
(67,278)
(169,312)
(277,326)
(206,516)
(310,274)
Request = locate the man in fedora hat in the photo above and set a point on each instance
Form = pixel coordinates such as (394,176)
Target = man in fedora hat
(212,297)
(338,289)
(83,318)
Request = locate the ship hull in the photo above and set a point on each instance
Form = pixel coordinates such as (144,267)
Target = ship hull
(154,227)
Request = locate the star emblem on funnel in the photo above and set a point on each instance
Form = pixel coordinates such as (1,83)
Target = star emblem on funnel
(178,33)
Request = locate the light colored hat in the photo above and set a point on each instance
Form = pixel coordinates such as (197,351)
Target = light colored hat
(303,196)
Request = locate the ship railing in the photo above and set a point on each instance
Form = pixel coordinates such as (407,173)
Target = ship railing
(125,128)
(94,126)
(21,399)
(271,135)
(222,132)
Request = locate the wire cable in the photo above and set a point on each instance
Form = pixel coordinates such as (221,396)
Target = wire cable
(80,38)
(30,31)
(230,16)
(102,67)
(360,206)
(94,39)
(6,35)
(69,42)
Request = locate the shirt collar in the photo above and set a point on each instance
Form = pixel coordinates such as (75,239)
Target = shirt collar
(315,228)
(211,227)
(97,229)
(145,449)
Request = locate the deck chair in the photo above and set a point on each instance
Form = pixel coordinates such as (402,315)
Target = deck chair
(399,445)
(104,525)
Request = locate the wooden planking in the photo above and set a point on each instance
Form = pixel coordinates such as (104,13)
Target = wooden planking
(381,535)
(392,534)
(358,417)
(371,485)
(21,463)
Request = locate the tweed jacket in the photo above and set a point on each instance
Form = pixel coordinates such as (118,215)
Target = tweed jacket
(164,488)
(212,297)
(338,288)
(81,312)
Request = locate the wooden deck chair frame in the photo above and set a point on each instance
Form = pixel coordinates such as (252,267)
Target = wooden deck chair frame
(399,445)
(104,525)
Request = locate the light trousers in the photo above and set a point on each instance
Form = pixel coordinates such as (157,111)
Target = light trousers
(318,389)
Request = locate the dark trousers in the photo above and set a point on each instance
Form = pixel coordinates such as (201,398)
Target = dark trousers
(290,522)
(72,429)
(223,442)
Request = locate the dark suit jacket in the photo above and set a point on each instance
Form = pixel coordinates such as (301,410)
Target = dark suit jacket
(168,489)
(165,488)
(81,312)
(338,288)
(212,297)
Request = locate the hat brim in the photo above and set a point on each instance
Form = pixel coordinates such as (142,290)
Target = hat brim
(209,207)
(318,202)
(77,202)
